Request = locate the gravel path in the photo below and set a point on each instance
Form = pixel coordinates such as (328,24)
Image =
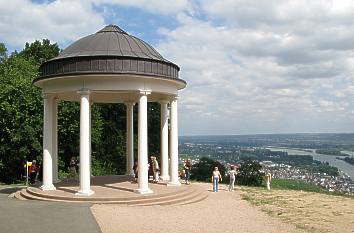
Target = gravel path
(220,212)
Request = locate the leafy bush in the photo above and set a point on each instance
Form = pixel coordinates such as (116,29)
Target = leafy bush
(250,173)
(202,171)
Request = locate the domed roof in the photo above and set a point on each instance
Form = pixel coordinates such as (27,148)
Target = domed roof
(111,41)
(109,51)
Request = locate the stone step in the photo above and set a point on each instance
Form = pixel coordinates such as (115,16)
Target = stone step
(183,196)
(109,200)
(27,196)
(174,201)
(18,196)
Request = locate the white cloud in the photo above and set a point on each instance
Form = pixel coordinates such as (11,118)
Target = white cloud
(165,7)
(265,65)
(251,66)
(63,21)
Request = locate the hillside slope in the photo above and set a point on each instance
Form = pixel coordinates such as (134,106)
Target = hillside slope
(310,211)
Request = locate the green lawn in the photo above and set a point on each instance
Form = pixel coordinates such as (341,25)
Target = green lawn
(296,185)
(301,185)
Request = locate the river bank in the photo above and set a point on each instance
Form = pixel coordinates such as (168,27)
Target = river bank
(332,160)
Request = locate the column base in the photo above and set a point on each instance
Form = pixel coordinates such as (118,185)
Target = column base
(85,193)
(47,187)
(56,181)
(143,191)
(174,183)
(130,174)
(165,178)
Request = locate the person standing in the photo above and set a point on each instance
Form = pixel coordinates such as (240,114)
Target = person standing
(156,169)
(232,174)
(268,179)
(72,167)
(151,168)
(33,170)
(135,169)
(215,178)
(187,170)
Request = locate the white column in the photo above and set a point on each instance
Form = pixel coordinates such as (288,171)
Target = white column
(164,141)
(48,143)
(130,139)
(85,178)
(55,140)
(174,144)
(143,184)
(90,153)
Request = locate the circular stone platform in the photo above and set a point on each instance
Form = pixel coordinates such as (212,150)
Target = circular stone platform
(116,190)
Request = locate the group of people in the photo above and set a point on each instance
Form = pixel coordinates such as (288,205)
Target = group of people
(154,170)
(216,178)
(154,174)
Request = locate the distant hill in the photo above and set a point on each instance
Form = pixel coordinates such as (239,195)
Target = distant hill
(314,141)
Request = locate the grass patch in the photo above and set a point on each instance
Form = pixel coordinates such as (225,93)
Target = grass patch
(296,185)
(303,186)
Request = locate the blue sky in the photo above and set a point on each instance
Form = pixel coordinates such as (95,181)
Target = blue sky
(252,66)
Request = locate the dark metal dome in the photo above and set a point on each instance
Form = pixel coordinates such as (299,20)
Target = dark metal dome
(109,51)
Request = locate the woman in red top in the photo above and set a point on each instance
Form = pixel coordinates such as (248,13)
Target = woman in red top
(32,171)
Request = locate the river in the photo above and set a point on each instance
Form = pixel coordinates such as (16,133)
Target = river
(331,159)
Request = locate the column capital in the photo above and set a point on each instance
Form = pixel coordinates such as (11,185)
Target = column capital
(84,91)
(56,99)
(47,95)
(164,101)
(144,92)
(174,97)
(129,103)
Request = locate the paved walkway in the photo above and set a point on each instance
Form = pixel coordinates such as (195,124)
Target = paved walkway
(44,217)
(220,212)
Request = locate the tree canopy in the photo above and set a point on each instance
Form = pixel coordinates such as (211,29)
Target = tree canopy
(202,171)
(250,173)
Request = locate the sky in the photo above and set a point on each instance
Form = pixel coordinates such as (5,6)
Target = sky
(252,67)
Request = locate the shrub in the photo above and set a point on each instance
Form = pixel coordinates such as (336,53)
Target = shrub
(202,171)
(250,173)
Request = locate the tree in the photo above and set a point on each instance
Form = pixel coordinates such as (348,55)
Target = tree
(40,52)
(21,107)
(21,121)
(250,173)
(202,171)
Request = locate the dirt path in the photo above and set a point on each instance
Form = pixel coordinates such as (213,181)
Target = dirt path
(220,212)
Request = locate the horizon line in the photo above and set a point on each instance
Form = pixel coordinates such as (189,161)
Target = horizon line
(253,134)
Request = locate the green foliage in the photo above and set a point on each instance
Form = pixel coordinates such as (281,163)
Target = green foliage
(303,186)
(40,52)
(329,151)
(63,174)
(3,53)
(21,121)
(322,167)
(250,173)
(295,185)
(102,168)
(154,129)
(203,170)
